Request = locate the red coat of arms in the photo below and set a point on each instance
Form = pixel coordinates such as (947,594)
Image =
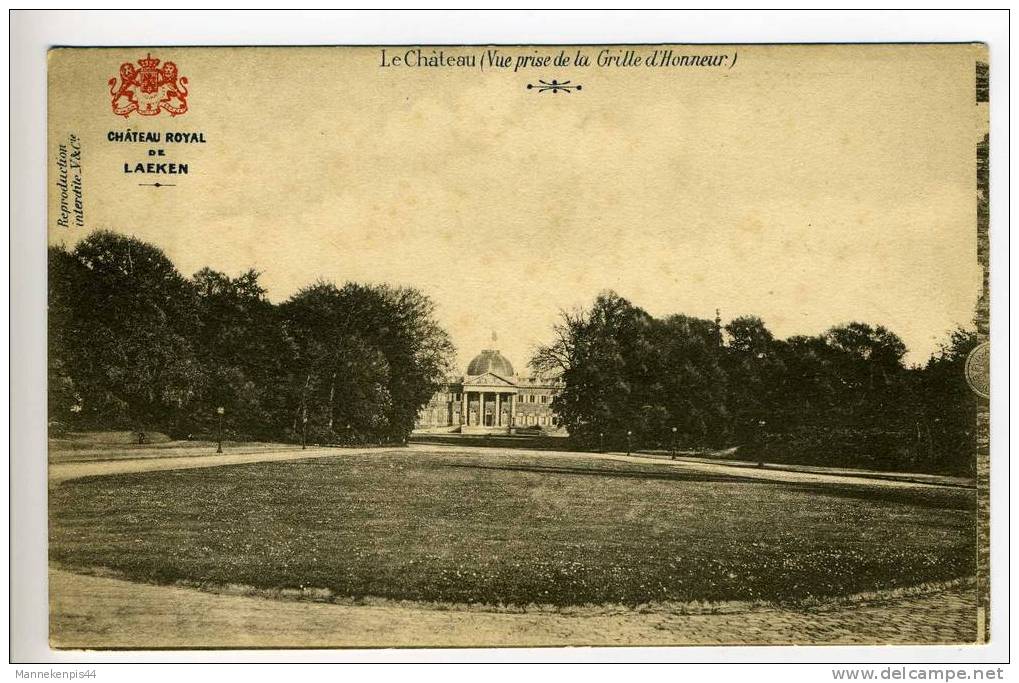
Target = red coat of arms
(150,89)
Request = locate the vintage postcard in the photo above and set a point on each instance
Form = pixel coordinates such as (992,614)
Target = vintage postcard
(512,345)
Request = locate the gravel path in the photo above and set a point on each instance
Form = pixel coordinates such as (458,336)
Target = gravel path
(169,460)
(95,612)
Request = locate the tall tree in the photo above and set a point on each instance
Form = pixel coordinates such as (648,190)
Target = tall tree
(128,340)
(754,372)
(946,407)
(623,371)
(243,350)
(365,356)
(65,273)
(868,363)
(691,382)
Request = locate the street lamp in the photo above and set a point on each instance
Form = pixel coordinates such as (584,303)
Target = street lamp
(628,435)
(673,443)
(760,442)
(601,441)
(219,436)
(304,429)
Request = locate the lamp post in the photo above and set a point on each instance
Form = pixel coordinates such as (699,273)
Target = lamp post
(628,435)
(673,443)
(304,429)
(219,436)
(760,442)
(601,441)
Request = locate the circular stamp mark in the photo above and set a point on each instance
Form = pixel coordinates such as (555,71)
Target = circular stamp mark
(978,370)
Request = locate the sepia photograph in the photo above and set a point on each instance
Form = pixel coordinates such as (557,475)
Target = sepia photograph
(514,345)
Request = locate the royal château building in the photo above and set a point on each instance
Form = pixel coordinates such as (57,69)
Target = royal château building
(491,399)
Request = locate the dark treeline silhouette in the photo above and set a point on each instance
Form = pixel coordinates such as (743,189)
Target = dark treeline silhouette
(135,345)
(842,398)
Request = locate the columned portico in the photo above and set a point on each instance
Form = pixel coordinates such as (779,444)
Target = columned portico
(488,409)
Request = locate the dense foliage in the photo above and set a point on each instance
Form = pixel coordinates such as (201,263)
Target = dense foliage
(135,345)
(844,397)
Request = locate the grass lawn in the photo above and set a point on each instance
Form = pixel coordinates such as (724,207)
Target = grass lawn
(509,528)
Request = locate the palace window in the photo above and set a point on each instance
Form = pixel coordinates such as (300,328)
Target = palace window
(544,398)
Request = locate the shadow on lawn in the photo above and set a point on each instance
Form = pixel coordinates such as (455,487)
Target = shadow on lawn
(944,498)
(604,472)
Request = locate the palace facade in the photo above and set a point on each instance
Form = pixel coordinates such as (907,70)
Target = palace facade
(491,399)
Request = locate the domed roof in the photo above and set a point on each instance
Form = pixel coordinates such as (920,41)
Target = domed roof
(492,361)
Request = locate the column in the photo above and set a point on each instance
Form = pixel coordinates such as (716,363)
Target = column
(463,406)
(513,411)
(481,409)
(498,410)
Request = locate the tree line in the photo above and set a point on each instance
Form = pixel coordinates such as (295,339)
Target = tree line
(844,397)
(135,345)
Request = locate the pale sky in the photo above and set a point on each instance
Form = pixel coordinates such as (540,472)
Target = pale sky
(807,185)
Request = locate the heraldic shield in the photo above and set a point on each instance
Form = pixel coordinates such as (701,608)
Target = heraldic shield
(149,89)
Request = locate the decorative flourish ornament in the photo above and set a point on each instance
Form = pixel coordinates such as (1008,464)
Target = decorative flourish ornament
(555,86)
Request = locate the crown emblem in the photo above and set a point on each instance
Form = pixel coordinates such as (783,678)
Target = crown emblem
(149,62)
(149,88)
